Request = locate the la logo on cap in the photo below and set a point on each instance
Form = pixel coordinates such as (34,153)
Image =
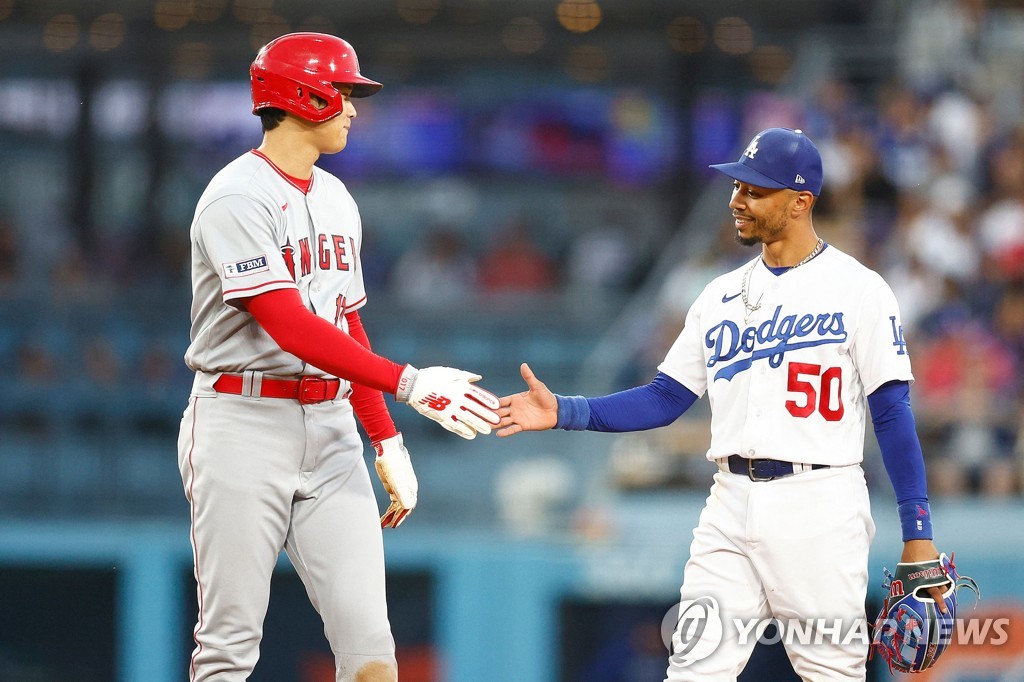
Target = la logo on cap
(751,150)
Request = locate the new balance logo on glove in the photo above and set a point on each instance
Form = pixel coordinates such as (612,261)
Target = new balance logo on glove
(436,402)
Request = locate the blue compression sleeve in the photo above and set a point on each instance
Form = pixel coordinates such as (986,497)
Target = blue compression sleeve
(901,453)
(658,403)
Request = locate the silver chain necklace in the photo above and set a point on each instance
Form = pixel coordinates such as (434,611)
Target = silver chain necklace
(751,309)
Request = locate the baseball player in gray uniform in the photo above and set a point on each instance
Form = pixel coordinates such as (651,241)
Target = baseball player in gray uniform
(792,349)
(269,454)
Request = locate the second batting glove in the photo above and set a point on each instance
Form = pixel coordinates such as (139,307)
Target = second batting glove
(395,471)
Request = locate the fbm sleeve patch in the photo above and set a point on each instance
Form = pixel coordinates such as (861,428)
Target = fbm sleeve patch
(246,267)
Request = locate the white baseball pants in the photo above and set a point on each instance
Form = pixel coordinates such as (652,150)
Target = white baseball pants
(793,548)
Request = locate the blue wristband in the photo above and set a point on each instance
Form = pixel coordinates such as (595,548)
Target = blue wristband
(916,520)
(573,413)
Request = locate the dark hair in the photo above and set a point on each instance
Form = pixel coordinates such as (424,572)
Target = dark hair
(271,117)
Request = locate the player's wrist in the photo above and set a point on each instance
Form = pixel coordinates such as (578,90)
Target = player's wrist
(406,380)
(918,550)
(573,413)
(916,520)
(384,445)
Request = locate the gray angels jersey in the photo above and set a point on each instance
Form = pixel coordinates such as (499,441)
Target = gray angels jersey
(254,231)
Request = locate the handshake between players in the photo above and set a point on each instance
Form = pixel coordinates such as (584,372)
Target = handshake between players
(450,397)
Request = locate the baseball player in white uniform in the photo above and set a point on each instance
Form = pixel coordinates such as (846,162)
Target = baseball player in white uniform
(792,349)
(269,454)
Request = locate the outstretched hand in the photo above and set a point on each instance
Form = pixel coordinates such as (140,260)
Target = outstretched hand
(533,410)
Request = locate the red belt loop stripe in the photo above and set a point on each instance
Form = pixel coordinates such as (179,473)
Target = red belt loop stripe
(307,390)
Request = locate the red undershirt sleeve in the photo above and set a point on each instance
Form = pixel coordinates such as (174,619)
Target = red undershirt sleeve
(368,403)
(316,341)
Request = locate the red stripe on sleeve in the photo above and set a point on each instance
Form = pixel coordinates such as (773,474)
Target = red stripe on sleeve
(231,293)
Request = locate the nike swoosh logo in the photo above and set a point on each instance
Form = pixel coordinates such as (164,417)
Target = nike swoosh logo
(726,297)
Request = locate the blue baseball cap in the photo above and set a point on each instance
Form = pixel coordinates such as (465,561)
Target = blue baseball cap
(778,158)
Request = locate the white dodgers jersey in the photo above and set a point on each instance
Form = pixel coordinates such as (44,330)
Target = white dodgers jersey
(255,231)
(789,380)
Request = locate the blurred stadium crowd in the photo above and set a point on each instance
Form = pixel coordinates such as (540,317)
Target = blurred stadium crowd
(924,169)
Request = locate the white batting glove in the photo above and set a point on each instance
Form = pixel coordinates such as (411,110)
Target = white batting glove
(395,471)
(448,396)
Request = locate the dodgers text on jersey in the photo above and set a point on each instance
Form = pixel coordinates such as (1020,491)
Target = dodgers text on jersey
(728,341)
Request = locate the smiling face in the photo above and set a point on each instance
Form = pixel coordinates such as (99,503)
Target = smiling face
(761,214)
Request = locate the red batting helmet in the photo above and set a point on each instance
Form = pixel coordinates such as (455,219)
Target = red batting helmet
(289,69)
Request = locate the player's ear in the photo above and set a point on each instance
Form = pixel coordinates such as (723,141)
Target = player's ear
(802,203)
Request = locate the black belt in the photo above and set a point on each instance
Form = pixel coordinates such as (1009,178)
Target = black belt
(764,469)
